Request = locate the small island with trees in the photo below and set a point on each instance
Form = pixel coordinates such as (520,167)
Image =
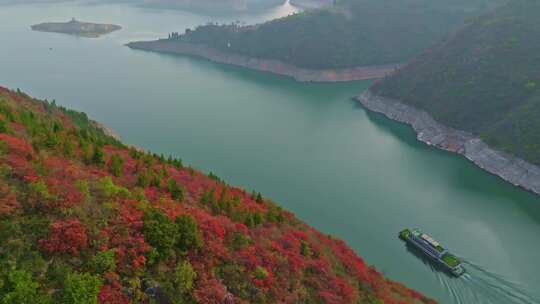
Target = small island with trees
(77,28)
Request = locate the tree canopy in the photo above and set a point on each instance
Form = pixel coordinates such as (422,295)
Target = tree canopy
(349,33)
(483,79)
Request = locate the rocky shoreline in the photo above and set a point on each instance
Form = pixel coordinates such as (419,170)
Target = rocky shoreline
(265,65)
(510,168)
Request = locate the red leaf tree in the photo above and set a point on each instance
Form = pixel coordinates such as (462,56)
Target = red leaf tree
(65,237)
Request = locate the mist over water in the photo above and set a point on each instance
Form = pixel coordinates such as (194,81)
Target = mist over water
(343,170)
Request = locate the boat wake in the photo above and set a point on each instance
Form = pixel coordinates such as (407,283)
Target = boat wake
(479,285)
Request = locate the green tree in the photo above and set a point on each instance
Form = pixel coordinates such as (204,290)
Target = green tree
(259,198)
(305,249)
(189,235)
(184,277)
(98,157)
(159,231)
(257,218)
(81,288)
(109,189)
(51,141)
(104,261)
(176,191)
(68,147)
(143,179)
(21,289)
(116,166)
(261,273)
(3,126)
(178,290)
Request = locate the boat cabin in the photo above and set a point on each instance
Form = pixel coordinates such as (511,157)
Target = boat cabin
(428,243)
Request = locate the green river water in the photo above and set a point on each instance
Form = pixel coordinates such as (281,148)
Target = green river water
(309,147)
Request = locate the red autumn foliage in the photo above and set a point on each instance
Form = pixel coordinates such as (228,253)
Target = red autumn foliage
(65,237)
(16,145)
(281,258)
(21,168)
(210,291)
(8,200)
(124,236)
(112,294)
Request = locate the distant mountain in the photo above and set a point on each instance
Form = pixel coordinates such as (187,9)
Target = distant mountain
(86,219)
(348,33)
(223,6)
(483,79)
(211,5)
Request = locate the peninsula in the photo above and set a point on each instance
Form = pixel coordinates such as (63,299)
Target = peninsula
(476,94)
(324,45)
(266,65)
(77,28)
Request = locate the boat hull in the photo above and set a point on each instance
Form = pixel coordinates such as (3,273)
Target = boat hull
(455,271)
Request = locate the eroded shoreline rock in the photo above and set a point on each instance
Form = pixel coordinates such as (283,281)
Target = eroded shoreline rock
(265,65)
(508,167)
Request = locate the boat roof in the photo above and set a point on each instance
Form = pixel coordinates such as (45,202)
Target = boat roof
(431,241)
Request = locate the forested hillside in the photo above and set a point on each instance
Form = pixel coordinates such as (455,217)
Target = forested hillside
(484,79)
(348,33)
(86,219)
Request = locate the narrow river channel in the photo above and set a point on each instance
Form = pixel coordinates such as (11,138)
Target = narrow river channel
(349,173)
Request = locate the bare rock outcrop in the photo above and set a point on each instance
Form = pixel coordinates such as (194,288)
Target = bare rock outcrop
(510,168)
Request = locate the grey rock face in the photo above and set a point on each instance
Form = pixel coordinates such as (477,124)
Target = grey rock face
(508,167)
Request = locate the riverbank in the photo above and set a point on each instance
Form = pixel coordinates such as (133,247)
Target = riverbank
(265,65)
(511,169)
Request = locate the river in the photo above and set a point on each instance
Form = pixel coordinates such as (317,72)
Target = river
(349,173)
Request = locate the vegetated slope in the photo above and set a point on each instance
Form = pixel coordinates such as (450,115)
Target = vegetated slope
(85,219)
(485,79)
(349,33)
